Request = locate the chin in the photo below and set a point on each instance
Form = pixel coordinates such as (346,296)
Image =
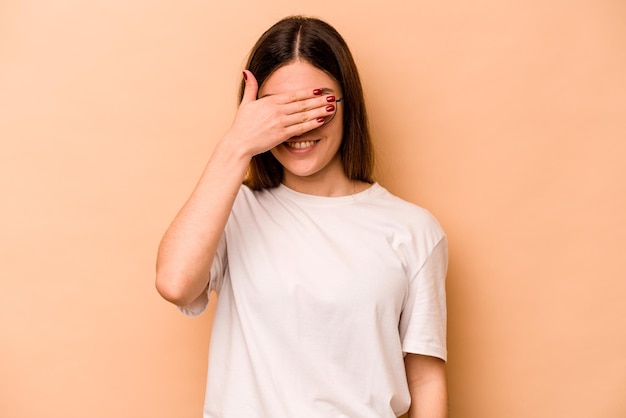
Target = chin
(302,171)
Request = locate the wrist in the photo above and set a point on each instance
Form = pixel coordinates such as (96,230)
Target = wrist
(231,151)
(234,149)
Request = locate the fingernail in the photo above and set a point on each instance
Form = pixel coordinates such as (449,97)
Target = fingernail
(245,76)
(317,92)
(330,98)
(320,120)
(330,108)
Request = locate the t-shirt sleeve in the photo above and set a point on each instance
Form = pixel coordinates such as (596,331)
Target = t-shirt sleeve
(423,320)
(218,267)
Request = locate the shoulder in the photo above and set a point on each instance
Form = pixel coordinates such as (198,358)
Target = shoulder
(406,214)
(246,195)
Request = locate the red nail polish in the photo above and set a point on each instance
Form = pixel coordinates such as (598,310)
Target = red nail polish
(320,120)
(330,108)
(317,92)
(245,76)
(330,99)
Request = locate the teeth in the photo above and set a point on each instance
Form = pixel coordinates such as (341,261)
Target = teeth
(303,144)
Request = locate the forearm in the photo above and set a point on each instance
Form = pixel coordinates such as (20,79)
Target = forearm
(428,387)
(189,244)
(429,401)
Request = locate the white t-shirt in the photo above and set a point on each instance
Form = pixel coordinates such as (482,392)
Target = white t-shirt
(319,299)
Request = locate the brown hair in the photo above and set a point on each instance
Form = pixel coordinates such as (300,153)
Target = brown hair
(318,43)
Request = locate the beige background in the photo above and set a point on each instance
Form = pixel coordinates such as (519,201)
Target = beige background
(505,118)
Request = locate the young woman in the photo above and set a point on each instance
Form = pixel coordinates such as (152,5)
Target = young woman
(331,290)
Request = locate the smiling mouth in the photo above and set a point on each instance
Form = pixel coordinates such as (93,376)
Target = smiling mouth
(301,144)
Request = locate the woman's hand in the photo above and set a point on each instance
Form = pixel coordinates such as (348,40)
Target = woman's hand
(261,124)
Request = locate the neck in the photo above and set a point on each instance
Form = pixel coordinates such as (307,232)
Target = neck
(332,187)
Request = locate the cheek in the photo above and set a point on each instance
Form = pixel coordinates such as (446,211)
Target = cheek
(337,132)
(333,129)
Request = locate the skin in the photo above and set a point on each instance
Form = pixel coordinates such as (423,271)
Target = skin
(287,112)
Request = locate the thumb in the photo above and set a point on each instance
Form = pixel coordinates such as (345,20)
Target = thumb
(250,89)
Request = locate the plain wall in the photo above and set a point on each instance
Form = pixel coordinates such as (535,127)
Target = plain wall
(506,119)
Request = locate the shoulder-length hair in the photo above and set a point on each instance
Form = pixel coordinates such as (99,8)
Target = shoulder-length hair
(318,43)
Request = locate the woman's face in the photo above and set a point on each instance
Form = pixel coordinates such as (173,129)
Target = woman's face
(312,157)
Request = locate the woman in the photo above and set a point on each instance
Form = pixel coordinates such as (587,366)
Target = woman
(331,290)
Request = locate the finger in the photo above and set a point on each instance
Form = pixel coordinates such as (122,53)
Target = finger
(308,104)
(251,87)
(303,127)
(328,109)
(297,95)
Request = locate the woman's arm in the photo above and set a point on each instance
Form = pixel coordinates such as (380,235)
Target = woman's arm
(426,376)
(189,244)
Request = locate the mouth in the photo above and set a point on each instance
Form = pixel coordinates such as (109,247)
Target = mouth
(301,144)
